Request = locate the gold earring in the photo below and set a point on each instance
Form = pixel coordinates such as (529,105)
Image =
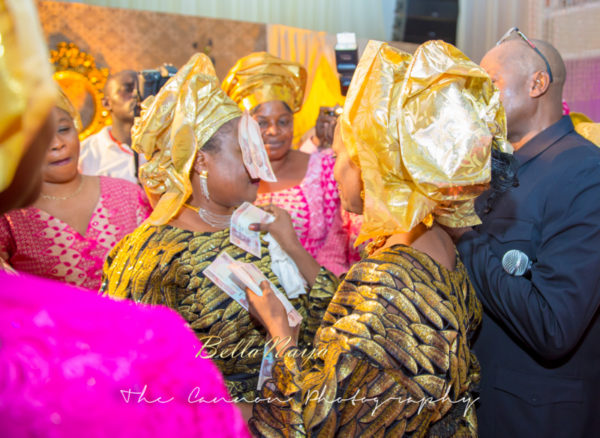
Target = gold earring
(362,195)
(428,220)
(204,184)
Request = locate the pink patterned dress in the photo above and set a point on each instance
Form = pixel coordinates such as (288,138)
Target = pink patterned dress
(352,223)
(314,206)
(33,241)
(74,364)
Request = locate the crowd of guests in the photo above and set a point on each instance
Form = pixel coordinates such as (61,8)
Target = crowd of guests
(436,167)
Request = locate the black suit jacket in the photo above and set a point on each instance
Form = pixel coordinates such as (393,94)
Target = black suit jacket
(539,345)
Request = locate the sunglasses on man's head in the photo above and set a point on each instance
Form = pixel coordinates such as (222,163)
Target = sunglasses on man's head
(508,35)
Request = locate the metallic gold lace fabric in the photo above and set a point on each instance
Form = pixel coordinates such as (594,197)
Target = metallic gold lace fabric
(164,264)
(421,128)
(27,91)
(395,335)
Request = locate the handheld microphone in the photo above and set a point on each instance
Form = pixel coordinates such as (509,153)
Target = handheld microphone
(516,262)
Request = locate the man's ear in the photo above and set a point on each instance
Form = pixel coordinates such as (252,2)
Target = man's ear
(540,85)
(106,103)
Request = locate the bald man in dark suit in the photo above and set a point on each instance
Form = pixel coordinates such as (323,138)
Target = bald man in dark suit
(539,346)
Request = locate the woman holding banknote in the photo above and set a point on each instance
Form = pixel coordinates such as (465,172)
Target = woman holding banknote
(196,176)
(417,137)
(272,90)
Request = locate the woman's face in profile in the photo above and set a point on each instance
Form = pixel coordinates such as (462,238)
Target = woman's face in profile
(229,183)
(61,159)
(276,123)
(347,175)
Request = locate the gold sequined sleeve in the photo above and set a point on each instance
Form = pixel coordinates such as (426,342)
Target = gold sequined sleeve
(394,337)
(313,305)
(164,265)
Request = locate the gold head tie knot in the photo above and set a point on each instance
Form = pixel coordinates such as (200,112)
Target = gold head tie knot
(66,105)
(261,77)
(421,128)
(172,127)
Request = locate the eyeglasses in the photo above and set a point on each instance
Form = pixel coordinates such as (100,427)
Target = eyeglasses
(508,35)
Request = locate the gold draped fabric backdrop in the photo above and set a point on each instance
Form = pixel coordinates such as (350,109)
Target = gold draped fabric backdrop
(315,53)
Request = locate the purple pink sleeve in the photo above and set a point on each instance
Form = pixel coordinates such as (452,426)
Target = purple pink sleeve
(6,239)
(144,209)
(334,252)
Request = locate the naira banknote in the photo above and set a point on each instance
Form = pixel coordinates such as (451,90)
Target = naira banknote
(232,277)
(250,276)
(240,235)
(219,272)
(254,153)
(266,366)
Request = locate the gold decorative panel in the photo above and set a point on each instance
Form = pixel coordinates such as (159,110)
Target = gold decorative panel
(83,83)
(121,39)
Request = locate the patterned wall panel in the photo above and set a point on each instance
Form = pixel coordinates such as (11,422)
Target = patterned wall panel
(124,38)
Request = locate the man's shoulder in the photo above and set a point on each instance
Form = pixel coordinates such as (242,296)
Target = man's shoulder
(574,146)
(96,139)
(569,156)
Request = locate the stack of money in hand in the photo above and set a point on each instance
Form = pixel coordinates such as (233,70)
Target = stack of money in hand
(240,234)
(233,277)
(254,153)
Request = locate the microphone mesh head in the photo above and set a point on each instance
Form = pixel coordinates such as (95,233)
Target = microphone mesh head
(515,262)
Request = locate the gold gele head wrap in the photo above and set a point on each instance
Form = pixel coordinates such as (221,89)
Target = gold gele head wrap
(27,91)
(421,128)
(261,77)
(66,105)
(173,125)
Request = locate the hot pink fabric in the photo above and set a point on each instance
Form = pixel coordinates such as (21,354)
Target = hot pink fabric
(33,241)
(352,223)
(314,205)
(74,364)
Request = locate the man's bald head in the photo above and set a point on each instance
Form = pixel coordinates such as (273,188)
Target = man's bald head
(116,78)
(521,75)
(557,65)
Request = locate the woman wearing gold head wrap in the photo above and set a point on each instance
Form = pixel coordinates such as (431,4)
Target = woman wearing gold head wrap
(418,133)
(272,90)
(196,175)
(73,363)
(76,220)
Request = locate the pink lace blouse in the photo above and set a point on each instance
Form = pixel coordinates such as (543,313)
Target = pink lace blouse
(33,241)
(314,205)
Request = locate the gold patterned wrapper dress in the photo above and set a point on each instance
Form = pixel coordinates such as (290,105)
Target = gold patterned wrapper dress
(163,265)
(395,337)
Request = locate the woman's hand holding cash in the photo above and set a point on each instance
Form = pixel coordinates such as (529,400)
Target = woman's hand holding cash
(283,232)
(282,228)
(273,316)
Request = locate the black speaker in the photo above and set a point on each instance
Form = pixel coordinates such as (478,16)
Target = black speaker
(418,21)
(346,61)
(346,58)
